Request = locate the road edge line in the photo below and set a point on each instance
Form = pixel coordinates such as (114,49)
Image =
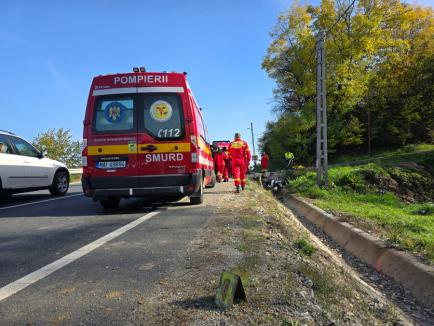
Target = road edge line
(20,284)
(400,265)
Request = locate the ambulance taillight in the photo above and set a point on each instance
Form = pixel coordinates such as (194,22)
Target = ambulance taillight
(194,152)
(84,154)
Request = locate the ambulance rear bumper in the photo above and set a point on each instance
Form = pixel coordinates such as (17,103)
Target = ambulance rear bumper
(160,186)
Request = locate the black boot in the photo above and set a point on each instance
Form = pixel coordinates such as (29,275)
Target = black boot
(238,189)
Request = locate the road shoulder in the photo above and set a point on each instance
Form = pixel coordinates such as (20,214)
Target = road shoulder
(289,276)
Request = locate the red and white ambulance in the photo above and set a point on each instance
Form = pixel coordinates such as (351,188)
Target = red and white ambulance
(144,136)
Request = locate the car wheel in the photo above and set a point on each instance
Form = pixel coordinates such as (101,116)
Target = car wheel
(197,197)
(5,197)
(60,184)
(111,202)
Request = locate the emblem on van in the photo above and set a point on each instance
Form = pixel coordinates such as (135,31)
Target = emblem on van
(114,112)
(161,111)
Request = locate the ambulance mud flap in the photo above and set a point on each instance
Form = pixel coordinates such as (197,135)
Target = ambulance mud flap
(196,197)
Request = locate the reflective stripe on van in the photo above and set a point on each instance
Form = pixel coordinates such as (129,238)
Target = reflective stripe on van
(130,90)
(141,148)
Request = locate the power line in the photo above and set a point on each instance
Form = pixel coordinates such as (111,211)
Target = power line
(328,31)
(340,17)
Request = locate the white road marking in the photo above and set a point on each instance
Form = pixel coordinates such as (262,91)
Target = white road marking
(41,201)
(43,272)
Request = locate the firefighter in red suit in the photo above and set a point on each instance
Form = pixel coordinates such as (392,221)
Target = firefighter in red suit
(219,162)
(239,153)
(264,162)
(227,164)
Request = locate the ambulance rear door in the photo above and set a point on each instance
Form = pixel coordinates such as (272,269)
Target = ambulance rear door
(112,146)
(163,140)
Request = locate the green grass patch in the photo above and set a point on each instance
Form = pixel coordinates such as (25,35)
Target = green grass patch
(377,197)
(242,247)
(304,247)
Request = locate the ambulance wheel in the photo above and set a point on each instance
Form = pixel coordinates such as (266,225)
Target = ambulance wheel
(213,181)
(197,197)
(110,202)
(60,184)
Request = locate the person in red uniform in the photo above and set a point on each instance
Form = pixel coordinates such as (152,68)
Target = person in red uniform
(239,153)
(219,162)
(264,162)
(227,164)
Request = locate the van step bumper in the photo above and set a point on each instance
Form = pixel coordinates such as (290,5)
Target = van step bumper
(138,192)
(155,186)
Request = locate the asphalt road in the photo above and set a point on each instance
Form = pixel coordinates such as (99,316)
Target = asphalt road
(103,286)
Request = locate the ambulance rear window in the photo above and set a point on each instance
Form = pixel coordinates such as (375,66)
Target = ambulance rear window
(162,116)
(114,115)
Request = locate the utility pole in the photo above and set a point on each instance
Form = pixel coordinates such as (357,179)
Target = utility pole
(321,115)
(253,143)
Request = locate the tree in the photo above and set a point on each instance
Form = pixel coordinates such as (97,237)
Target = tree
(380,65)
(58,145)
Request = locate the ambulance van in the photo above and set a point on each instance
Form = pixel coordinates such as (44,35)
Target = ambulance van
(144,136)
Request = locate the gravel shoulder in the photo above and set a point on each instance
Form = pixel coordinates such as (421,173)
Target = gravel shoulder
(289,276)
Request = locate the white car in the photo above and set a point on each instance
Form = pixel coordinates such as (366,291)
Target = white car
(23,168)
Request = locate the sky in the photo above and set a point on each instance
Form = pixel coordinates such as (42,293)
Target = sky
(51,50)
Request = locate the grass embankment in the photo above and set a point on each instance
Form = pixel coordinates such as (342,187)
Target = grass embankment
(409,153)
(392,198)
(75,178)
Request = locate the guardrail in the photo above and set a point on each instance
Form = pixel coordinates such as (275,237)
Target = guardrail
(76,171)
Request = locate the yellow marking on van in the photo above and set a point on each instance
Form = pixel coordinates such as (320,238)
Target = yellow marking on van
(203,146)
(109,149)
(126,149)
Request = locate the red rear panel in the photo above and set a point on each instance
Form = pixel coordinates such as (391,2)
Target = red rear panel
(136,124)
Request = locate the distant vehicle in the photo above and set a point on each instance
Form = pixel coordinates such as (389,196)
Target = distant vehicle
(144,136)
(220,143)
(24,168)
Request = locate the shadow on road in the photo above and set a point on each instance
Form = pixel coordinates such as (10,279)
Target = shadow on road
(33,205)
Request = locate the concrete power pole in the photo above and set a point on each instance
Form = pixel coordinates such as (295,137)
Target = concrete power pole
(321,115)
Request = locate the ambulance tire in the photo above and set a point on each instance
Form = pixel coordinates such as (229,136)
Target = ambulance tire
(110,202)
(213,181)
(197,197)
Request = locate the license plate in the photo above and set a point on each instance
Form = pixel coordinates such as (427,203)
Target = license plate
(111,165)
